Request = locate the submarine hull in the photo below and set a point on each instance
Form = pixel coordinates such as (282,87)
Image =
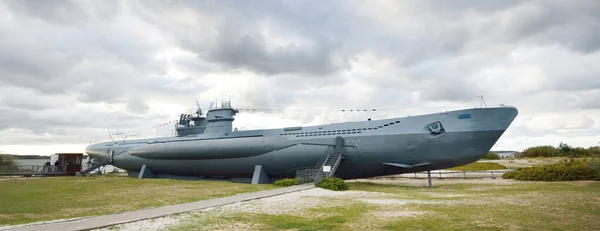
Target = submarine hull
(229,147)
(433,141)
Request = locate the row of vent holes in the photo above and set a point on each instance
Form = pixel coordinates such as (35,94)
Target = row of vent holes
(348,131)
(328,134)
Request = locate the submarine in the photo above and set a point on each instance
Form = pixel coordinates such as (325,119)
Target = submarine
(207,147)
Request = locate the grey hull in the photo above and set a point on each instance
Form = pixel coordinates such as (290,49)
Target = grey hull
(464,136)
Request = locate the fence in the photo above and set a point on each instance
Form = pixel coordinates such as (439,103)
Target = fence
(446,174)
(32,170)
(304,176)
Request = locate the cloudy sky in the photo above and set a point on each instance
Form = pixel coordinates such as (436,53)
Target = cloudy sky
(72,72)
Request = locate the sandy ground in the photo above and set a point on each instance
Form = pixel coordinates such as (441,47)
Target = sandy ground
(527,162)
(297,202)
(291,203)
(288,203)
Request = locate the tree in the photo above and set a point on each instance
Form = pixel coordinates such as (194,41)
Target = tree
(6,160)
(564,149)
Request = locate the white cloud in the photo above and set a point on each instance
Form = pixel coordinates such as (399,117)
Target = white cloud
(74,71)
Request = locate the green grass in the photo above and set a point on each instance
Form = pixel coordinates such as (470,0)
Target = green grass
(466,206)
(521,206)
(26,200)
(479,166)
(332,217)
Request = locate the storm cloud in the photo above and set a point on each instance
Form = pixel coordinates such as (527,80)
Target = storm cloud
(72,72)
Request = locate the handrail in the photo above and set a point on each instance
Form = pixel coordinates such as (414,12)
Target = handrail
(449,174)
(10,170)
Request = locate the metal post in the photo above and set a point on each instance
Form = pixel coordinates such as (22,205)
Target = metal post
(429,177)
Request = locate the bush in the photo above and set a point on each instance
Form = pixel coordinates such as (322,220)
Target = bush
(508,175)
(491,156)
(563,149)
(539,151)
(333,183)
(285,182)
(565,170)
(594,151)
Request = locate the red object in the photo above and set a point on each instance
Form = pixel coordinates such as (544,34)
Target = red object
(72,161)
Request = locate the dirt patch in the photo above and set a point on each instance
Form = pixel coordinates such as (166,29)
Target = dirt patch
(296,202)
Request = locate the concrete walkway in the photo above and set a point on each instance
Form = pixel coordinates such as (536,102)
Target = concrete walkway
(88,223)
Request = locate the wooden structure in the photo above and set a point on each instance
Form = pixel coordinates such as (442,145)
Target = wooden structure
(71,161)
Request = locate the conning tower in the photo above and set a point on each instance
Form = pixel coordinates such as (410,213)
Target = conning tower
(220,119)
(191,123)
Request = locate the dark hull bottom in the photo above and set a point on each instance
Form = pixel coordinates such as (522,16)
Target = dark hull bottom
(363,160)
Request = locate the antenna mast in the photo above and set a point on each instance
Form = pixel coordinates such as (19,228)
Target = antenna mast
(482,102)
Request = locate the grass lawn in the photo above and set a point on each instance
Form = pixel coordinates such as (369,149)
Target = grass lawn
(375,206)
(519,206)
(25,200)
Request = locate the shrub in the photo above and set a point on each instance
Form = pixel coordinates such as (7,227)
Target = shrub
(539,151)
(508,175)
(565,170)
(563,149)
(594,151)
(491,156)
(333,183)
(285,182)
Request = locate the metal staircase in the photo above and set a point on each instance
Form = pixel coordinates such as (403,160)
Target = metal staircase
(107,161)
(94,167)
(332,161)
